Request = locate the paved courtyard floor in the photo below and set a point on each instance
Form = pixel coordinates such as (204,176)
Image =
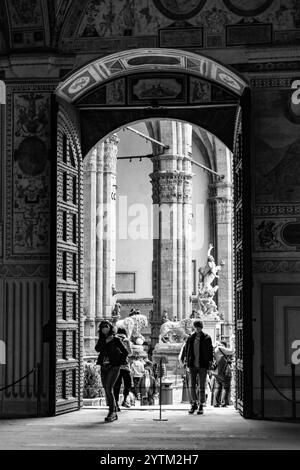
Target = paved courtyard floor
(136,429)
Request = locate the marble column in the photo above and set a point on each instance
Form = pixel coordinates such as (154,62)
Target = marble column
(109,223)
(172,184)
(89,249)
(99,237)
(99,231)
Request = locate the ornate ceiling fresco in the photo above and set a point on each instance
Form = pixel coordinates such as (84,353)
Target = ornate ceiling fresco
(105,25)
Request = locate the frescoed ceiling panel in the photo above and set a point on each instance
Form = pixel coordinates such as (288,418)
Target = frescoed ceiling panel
(97,24)
(111,25)
(28,23)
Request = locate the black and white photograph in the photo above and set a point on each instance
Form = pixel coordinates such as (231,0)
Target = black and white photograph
(149,229)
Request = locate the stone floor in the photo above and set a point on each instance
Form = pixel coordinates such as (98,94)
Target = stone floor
(218,428)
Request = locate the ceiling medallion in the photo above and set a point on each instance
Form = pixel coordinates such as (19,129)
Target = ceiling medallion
(246,8)
(179,9)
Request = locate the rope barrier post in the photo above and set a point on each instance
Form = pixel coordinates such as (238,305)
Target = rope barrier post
(37,385)
(35,388)
(293,391)
(17,381)
(160,388)
(262,391)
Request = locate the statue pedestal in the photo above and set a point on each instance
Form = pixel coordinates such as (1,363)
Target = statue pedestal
(211,326)
(138,350)
(170,351)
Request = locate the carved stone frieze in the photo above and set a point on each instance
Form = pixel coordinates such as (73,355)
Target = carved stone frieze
(265,67)
(273,266)
(267,235)
(171,187)
(277,209)
(25,270)
(268,82)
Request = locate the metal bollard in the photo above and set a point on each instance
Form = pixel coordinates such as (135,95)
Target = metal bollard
(185,391)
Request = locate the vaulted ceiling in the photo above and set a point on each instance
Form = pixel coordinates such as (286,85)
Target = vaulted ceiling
(33,24)
(100,25)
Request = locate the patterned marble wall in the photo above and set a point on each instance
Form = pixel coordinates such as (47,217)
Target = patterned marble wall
(276,170)
(276,237)
(24,268)
(31,172)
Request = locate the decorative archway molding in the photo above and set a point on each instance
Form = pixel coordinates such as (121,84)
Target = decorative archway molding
(107,68)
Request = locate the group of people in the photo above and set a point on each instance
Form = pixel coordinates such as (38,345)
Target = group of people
(202,360)
(118,364)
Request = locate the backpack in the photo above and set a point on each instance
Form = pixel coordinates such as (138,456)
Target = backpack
(120,354)
(224,366)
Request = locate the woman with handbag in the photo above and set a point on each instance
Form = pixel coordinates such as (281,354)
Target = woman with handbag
(112,354)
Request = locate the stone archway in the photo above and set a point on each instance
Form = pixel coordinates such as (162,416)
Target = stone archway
(224,112)
(96,73)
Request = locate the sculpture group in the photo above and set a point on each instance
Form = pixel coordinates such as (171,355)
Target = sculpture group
(176,331)
(206,291)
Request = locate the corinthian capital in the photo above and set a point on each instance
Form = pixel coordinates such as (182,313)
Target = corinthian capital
(110,153)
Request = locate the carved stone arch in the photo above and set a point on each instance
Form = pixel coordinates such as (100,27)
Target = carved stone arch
(233,121)
(134,61)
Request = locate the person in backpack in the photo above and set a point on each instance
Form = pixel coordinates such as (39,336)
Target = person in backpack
(112,354)
(222,374)
(125,373)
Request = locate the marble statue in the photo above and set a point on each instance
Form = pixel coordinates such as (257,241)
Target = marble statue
(133,326)
(175,331)
(206,291)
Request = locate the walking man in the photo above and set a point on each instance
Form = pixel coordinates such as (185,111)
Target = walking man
(198,355)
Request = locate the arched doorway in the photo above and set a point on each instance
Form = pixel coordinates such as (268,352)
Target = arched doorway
(107,94)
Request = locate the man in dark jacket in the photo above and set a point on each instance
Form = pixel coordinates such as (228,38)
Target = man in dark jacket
(197,354)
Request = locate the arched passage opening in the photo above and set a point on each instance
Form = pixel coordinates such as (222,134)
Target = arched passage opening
(110,93)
